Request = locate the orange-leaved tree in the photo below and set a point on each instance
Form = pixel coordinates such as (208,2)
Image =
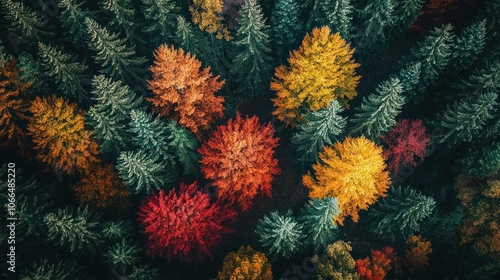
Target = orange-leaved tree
(12,107)
(418,251)
(354,172)
(377,265)
(59,136)
(239,159)
(245,264)
(184,92)
(321,70)
(101,188)
(208,15)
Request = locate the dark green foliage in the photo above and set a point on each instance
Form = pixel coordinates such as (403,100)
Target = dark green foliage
(122,15)
(406,13)
(409,77)
(317,217)
(61,270)
(117,60)
(465,118)
(144,272)
(469,44)
(24,21)
(123,253)
(31,72)
(314,12)
(482,162)
(142,171)
(441,228)
(75,229)
(116,230)
(377,17)
(72,18)
(286,27)
(184,145)
(150,133)
(377,114)
(280,235)
(161,16)
(339,17)
(486,271)
(251,66)
(400,214)
(4,57)
(321,128)
(68,73)
(485,79)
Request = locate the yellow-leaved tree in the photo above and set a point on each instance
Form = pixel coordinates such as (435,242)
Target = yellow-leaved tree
(208,15)
(321,70)
(354,171)
(245,264)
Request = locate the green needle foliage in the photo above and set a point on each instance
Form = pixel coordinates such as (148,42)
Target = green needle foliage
(116,230)
(76,229)
(485,79)
(68,73)
(24,21)
(409,77)
(184,145)
(73,18)
(339,16)
(317,217)
(31,72)
(286,27)
(43,269)
(280,234)
(144,272)
(407,13)
(482,162)
(469,44)
(123,253)
(321,128)
(161,16)
(377,17)
(400,214)
(150,133)
(377,114)
(122,15)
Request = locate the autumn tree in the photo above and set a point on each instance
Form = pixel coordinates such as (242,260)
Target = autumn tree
(319,129)
(405,143)
(102,189)
(280,234)
(208,15)
(13,109)
(183,224)
(354,172)
(239,159)
(59,136)
(318,216)
(417,252)
(73,20)
(377,265)
(184,92)
(336,263)
(246,264)
(286,27)
(251,65)
(321,70)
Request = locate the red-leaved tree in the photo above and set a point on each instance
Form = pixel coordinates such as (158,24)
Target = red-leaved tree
(183,224)
(378,265)
(239,159)
(405,143)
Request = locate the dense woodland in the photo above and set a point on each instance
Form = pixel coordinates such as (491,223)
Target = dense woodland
(247,139)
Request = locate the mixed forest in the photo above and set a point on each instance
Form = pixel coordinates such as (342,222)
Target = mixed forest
(251,139)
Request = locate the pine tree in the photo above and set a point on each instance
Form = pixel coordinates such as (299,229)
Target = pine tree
(24,21)
(117,230)
(377,17)
(64,68)
(123,253)
(4,57)
(144,272)
(406,13)
(142,171)
(320,128)
(184,145)
(482,80)
(280,234)
(31,72)
(76,229)
(286,27)
(483,161)
(122,16)
(314,12)
(469,44)
(401,213)
(252,64)
(160,16)
(117,60)
(465,118)
(409,77)
(62,269)
(73,20)
(377,114)
(339,16)
(317,217)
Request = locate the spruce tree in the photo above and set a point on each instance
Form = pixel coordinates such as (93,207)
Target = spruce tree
(469,44)
(377,113)
(280,234)
(409,77)
(24,21)
(321,128)
(339,17)
(4,57)
(117,60)
(400,214)
(482,80)
(142,171)
(73,20)
(184,145)
(76,229)
(314,11)
(161,16)
(123,253)
(122,15)
(31,72)
(317,217)
(117,230)
(286,27)
(68,73)
(377,17)
(62,269)
(483,161)
(252,64)
(465,118)
(406,13)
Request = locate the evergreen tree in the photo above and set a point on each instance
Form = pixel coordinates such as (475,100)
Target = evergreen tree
(465,118)
(150,133)
(31,72)
(184,144)
(409,77)
(73,20)
(401,213)
(321,128)
(441,228)
(76,229)
(469,44)
(144,272)
(24,21)
(377,114)
(317,217)
(4,57)
(142,171)
(406,13)
(314,12)
(377,17)
(280,234)
(339,16)
(122,15)
(123,253)
(117,60)
(482,162)
(160,16)
(43,269)
(69,74)
(433,53)
(286,27)
(116,230)
(252,64)
(482,80)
